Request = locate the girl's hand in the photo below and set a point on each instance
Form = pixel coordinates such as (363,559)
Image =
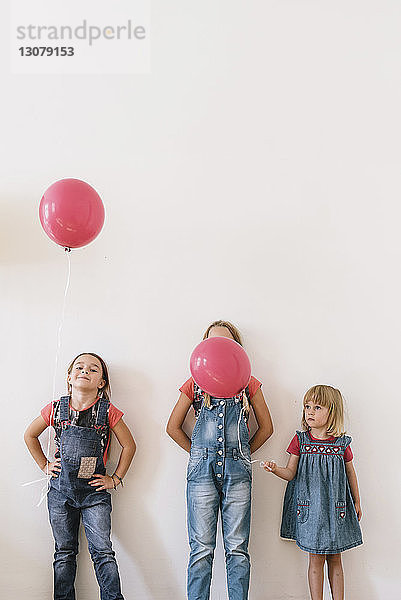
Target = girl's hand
(102,482)
(270,465)
(358,511)
(52,468)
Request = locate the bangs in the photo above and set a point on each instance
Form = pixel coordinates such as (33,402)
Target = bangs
(320,394)
(329,398)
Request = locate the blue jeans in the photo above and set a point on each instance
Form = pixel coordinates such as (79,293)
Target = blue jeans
(206,495)
(64,515)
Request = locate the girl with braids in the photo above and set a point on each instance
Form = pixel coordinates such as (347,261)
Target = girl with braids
(219,475)
(79,485)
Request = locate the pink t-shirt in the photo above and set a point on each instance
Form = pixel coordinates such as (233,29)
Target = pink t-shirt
(114,413)
(83,418)
(188,387)
(293,447)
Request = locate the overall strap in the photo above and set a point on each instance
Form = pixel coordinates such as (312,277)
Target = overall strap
(102,412)
(64,409)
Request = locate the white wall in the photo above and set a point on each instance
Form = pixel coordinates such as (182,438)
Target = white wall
(254,175)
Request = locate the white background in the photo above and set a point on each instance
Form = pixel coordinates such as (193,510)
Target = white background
(253,175)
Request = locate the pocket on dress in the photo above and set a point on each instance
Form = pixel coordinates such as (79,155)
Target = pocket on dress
(302,510)
(341,511)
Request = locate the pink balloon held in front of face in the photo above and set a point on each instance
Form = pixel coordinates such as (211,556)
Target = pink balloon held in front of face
(221,367)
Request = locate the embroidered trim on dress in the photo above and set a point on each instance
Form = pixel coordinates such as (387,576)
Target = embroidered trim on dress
(320,449)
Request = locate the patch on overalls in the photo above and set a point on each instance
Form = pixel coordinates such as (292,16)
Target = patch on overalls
(87,467)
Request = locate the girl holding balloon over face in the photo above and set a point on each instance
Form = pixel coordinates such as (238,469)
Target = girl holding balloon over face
(219,475)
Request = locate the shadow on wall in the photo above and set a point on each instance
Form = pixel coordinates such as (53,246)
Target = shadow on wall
(22,240)
(268,492)
(133,524)
(18,560)
(152,560)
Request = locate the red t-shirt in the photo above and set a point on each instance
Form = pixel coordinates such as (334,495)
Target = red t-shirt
(293,448)
(188,387)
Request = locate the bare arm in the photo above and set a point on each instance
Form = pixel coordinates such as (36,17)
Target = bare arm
(353,484)
(263,419)
(288,473)
(128,448)
(176,420)
(31,436)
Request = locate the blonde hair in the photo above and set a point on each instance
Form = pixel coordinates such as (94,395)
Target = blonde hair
(106,389)
(237,338)
(231,328)
(331,398)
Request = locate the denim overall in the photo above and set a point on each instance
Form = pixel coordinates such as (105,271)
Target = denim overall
(218,477)
(319,511)
(71,497)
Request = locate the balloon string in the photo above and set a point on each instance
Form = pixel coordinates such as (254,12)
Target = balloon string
(34,481)
(56,361)
(61,322)
(48,476)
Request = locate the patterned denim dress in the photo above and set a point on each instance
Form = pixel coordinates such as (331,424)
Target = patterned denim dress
(319,512)
(219,479)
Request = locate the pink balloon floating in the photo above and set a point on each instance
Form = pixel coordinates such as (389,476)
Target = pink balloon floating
(71,213)
(221,367)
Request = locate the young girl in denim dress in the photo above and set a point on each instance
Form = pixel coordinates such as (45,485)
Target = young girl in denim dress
(219,475)
(79,484)
(322,508)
